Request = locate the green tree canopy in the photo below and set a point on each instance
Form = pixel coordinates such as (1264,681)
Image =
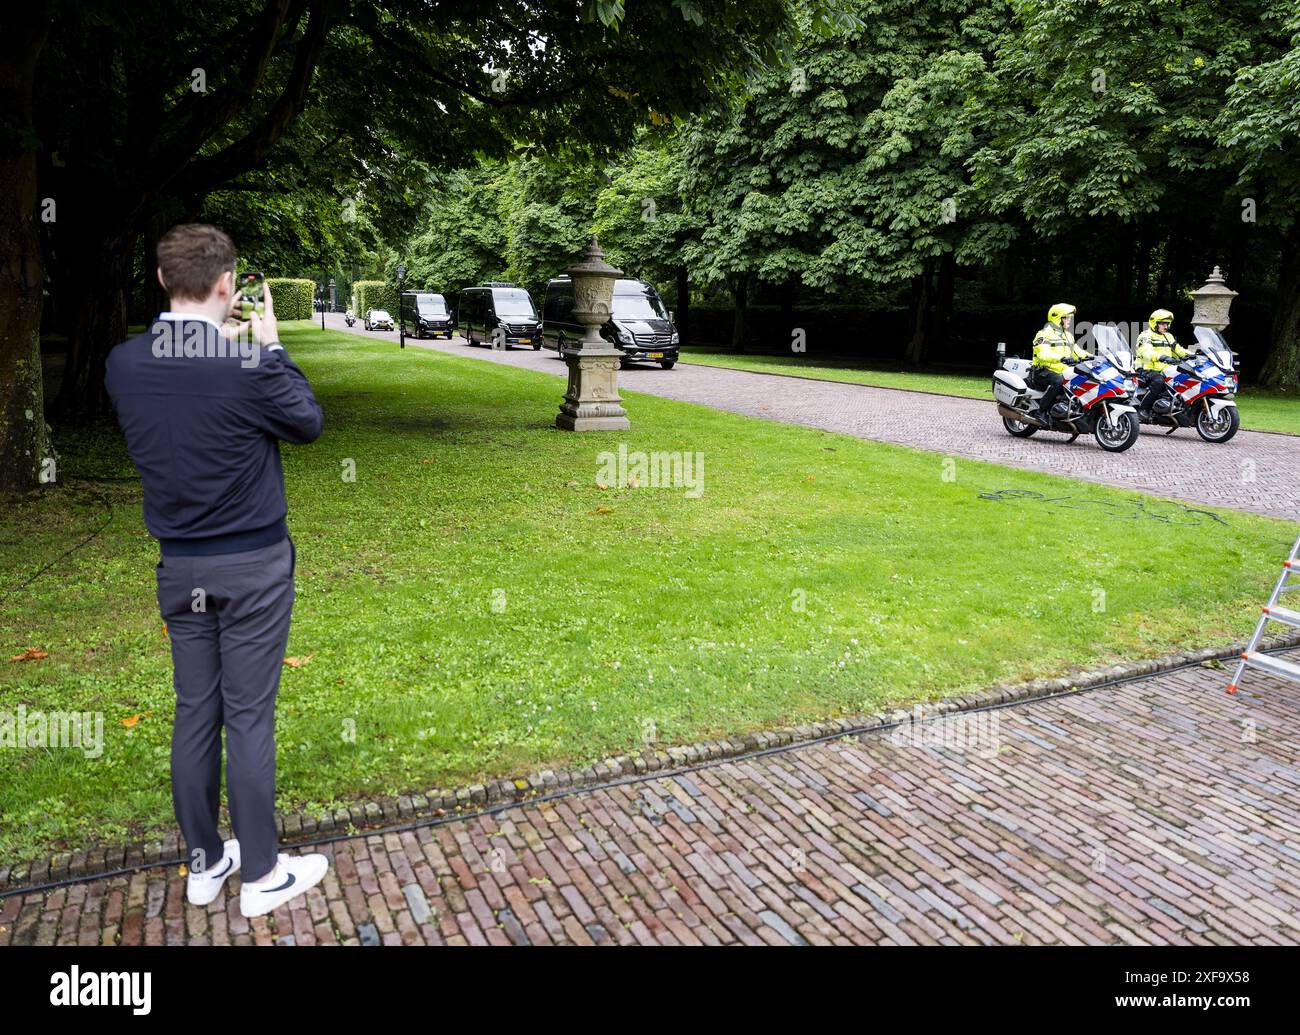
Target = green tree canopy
(1112,116)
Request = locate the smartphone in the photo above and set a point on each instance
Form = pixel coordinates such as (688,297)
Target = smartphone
(250,294)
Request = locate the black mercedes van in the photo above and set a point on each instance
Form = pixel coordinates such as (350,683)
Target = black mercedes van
(425,313)
(500,314)
(639,324)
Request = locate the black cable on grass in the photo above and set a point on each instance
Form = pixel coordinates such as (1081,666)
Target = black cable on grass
(104,501)
(1125,511)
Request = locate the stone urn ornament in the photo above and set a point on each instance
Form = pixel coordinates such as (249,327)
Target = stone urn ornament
(591,402)
(1211,302)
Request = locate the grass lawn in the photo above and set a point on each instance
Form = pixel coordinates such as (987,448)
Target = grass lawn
(1260,410)
(475,605)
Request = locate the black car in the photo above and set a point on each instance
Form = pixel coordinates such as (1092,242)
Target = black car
(425,313)
(639,324)
(500,314)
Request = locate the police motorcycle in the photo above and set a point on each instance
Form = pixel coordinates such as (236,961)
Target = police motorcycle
(1200,392)
(1098,394)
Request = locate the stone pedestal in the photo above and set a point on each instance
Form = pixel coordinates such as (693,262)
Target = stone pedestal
(591,402)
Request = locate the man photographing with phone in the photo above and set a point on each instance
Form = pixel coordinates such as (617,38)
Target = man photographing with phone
(203,427)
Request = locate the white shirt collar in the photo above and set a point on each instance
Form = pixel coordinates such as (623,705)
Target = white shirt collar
(189,316)
(207,319)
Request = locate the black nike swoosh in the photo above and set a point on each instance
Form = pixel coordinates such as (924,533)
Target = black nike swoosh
(287,884)
(229,864)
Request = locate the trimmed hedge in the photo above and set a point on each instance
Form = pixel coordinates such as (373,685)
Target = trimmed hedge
(294,299)
(374,294)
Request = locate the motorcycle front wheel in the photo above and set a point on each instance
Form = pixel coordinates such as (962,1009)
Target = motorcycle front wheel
(1220,430)
(1116,433)
(1018,428)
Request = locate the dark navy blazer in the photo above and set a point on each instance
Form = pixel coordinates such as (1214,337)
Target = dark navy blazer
(203,421)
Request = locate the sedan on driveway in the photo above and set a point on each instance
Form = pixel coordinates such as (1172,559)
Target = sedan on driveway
(378,320)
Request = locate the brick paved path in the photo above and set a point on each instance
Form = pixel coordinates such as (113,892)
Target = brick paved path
(1254,472)
(1158,811)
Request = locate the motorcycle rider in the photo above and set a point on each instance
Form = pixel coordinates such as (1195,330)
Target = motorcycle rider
(1054,347)
(1156,349)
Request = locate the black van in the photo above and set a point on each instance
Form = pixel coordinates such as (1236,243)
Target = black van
(500,314)
(640,324)
(425,313)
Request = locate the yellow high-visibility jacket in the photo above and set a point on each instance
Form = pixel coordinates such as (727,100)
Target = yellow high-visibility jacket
(1151,346)
(1053,347)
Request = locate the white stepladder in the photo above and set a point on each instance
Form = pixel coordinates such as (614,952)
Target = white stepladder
(1251,657)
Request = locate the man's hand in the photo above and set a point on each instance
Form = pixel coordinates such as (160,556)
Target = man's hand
(265,328)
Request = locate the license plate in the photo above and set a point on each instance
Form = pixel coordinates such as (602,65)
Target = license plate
(654,355)
(525,341)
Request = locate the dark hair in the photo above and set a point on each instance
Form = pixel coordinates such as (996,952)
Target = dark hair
(191,257)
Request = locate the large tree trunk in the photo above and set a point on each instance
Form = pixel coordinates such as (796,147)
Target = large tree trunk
(93,281)
(1144,271)
(683,315)
(155,300)
(942,311)
(789,290)
(24,437)
(922,312)
(740,297)
(1282,368)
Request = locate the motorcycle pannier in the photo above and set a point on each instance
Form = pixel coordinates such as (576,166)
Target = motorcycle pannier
(1008,388)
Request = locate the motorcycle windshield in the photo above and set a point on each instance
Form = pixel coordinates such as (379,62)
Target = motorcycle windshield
(1111,344)
(1212,344)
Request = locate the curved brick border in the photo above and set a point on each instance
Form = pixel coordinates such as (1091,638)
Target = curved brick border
(376,814)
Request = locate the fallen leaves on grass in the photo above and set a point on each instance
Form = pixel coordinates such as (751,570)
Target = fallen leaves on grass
(31,654)
(603,510)
(299,661)
(132,721)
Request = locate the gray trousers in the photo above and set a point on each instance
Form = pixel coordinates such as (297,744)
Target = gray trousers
(228,619)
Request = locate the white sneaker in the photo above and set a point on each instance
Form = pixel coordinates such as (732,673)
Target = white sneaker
(202,888)
(293,874)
